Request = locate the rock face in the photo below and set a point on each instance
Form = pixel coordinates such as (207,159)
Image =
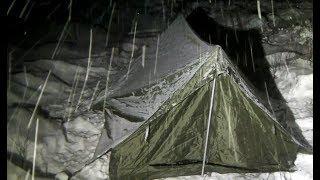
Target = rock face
(69,131)
(59,148)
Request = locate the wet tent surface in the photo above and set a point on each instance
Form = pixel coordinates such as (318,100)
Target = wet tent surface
(176,141)
(175,72)
(243,137)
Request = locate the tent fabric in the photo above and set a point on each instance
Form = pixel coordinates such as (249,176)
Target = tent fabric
(146,90)
(156,119)
(242,138)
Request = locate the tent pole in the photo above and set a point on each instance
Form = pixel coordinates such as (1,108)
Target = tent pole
(208,127)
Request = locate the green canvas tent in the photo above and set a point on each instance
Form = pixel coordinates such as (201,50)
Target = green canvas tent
(241,137)
(188,111)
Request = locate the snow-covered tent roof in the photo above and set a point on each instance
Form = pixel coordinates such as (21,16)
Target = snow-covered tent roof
(147,88)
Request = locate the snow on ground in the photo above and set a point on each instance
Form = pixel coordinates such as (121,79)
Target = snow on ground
(297,89)
(303,164)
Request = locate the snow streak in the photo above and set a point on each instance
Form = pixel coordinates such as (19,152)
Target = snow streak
(132,52)
(94,94)
(109,25)
(143,55)
(107,81)
(250,43)
(88,71)
(157,51)
(24,9)
(38,101)
(35,150)
(273,20)
(11,7)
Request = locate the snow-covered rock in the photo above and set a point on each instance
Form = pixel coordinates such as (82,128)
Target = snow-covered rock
(98,170)
(61,176)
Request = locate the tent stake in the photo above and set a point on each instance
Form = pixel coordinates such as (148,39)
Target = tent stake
(208,126)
